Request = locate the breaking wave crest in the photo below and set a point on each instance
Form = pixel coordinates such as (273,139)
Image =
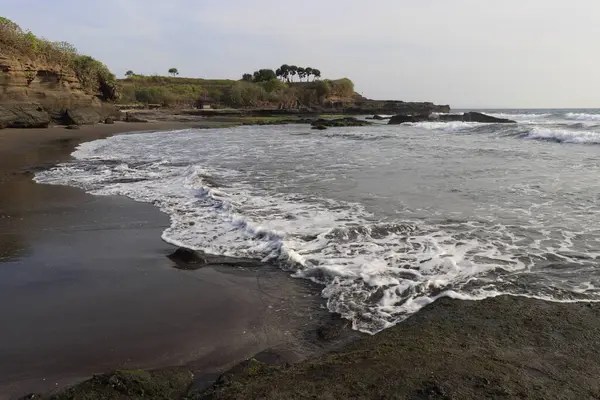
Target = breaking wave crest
(376,272)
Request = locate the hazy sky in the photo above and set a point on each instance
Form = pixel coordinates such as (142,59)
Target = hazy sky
(468,53)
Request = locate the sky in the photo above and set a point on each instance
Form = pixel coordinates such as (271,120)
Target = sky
(466,53)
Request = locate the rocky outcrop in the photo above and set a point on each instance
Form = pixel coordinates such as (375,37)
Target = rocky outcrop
(479,117)
(395,108)
(339,122)
(401,119)
(83,116)
(379,117)
(466,117)
(23,115)
(55,89)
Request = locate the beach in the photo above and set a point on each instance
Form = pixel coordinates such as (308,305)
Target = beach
(86,285)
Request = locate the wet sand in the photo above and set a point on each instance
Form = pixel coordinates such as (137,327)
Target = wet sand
(86,285)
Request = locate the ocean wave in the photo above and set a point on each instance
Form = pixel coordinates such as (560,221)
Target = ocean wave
(375,273)
(578,132)
(563,135)
(455,126)
(525,116)
(582,116)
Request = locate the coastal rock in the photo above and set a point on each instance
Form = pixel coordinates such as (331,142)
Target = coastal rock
(479,117)
(23,115)
(109,121)
(450,118)
(319,127)
(401,119)
(339,122)
(82,116)
(366,106)
(187,259)
(129,117)
(378,117)
(54,88)
(466,117)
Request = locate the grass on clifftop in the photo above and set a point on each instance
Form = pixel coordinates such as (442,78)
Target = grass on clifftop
(186,92)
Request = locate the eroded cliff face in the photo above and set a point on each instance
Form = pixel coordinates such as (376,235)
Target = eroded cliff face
(52,89)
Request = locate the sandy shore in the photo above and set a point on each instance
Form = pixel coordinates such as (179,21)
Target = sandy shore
(86,285)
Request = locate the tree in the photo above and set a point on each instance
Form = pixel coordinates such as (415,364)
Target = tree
(293,71)
(173,71)
(247,77)
(285,72)
(308,71)
(301,73)
(316,73)
(129,74)
(264,75)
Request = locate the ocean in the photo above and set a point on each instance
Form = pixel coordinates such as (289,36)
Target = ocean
(388,218)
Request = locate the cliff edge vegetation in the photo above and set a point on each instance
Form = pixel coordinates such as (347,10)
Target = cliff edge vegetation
(245,93)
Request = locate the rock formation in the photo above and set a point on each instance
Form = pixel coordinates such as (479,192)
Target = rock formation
(466,117)
(34,94)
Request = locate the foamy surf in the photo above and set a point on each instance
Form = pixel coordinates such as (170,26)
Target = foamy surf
(272,194)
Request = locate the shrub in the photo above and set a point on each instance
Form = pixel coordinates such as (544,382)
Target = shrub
(342,87)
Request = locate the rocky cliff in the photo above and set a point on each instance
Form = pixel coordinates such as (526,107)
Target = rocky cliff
(34,93)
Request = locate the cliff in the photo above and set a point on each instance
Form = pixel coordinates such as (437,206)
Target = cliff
(53,88)
(43,82)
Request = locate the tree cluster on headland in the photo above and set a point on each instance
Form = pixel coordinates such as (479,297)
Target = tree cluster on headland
(286,73)
(287,87)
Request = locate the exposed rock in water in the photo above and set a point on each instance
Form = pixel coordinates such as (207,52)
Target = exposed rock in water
(401,119)
(193,259)
(366,106)
(339,122)
(319,127)
(479,117)
(378,117)
(186,257)
(466,117)
(23,115)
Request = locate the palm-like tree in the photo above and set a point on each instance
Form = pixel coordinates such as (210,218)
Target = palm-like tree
(285,72)
(308,71)
(301,72)
(316,73)
(293,71)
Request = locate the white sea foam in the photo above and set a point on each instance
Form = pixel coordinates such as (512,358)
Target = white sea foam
(583,117)
(376,273)
(455,126)
(518,117)
(564,135)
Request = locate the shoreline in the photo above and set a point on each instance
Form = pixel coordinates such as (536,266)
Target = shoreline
(86,284)
(504,347)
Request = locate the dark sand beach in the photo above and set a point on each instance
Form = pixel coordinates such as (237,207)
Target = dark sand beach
(86,285)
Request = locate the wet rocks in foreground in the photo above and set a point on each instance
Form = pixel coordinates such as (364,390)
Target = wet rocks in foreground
(193,259)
